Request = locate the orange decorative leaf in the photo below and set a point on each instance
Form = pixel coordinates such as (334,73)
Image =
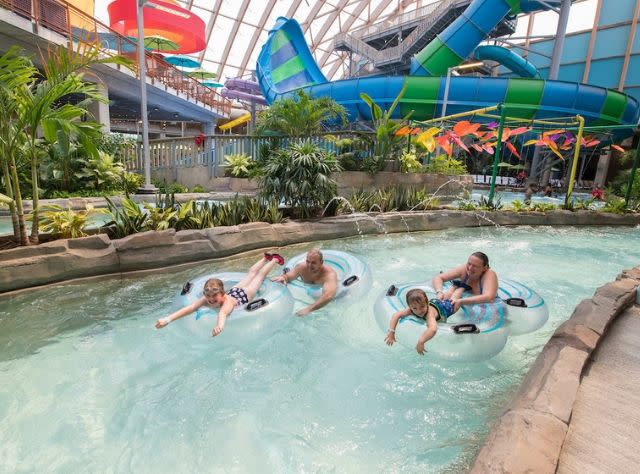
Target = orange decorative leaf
(618,148)
(465,128)
(519,131)
(533,142)
(552,132)
(404,131)
(512,149)
(458,141)
(443,141)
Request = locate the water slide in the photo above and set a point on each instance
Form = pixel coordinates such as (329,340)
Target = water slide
(234,123)
(508,58)
(285,65)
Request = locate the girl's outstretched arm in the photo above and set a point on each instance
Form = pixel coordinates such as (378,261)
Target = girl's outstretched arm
(225,310)
(181,313)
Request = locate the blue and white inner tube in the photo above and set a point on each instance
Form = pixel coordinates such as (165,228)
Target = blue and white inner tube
(354,277)
(526,309)
(266,313)
(474,333)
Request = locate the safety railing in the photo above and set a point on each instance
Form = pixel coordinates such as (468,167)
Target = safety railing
(428,17)
(210,152)
(77,26)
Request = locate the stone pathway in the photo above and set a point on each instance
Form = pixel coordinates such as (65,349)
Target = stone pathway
(604,431)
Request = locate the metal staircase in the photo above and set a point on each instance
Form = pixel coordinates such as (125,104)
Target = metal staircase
(435,18)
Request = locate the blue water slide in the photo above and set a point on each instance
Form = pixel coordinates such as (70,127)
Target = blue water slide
(286,65)
(508,58)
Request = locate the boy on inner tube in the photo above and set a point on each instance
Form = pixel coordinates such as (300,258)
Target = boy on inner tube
(313,272)
(430,311)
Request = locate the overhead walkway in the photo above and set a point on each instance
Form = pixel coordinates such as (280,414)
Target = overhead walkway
(389,45)
(603,432)
(36,25)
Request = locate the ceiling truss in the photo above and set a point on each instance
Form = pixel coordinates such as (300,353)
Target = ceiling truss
(321,20)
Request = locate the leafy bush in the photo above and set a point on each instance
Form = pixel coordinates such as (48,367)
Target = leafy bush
(172,188)
(300,176)
(131,182)
(66,223)
(443,164)
(101,172)
(238,165)
(617,206)
(301,115)
(409,163)
(395,198)
(198,189)
(127,220)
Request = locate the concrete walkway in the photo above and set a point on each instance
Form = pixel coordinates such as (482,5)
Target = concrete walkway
(604,431)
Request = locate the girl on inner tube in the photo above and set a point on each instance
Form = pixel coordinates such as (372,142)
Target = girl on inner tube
(214,295)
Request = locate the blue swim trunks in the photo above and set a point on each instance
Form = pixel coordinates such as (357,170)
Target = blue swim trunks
(443,307)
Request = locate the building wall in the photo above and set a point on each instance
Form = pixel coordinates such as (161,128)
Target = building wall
(614,27)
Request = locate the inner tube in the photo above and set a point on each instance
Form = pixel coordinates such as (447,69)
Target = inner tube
(473,334)
(266,313)
(354,277)
(526,309)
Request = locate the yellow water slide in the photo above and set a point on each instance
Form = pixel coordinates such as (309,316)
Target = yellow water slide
(234,123)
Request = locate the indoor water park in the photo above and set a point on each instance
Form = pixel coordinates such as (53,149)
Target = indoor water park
(334,236)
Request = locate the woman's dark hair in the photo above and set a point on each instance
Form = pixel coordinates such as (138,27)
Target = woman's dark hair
(482,256)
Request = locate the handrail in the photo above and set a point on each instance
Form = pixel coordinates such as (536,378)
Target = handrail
(396,53)
(56,15)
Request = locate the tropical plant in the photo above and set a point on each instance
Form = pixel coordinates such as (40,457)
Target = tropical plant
(197,189)
(238,164)
(409,163)
(129,219)
(101,172)
(617,206)
(36,113)
(444,164)
(131,182)
(301,115)
(517,205)
(300,176)
(486,205)
(159,218)
(386,127)
(65,223)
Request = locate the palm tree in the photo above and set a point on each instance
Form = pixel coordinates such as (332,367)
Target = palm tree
(301,115)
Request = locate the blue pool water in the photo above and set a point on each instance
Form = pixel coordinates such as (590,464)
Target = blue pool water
(507,197)
(88,385)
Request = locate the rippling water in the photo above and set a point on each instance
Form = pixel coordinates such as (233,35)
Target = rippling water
(88,385)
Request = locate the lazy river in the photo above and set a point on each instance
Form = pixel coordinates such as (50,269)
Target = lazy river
(87,384)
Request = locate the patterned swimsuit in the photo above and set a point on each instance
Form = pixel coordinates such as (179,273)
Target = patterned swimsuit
(239,295)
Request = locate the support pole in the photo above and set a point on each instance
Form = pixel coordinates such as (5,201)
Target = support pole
(563,20)
(574,165)
(496,157)
(142,71)
(634,168)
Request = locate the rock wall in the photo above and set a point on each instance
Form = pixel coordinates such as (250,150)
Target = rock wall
(528,437)
(95,255)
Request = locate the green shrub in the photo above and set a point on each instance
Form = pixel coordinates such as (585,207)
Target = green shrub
(300,176)
(197,189)
(617,206)
(66,223)
(238,165)
(444,164)
(131,182)
(409,163)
